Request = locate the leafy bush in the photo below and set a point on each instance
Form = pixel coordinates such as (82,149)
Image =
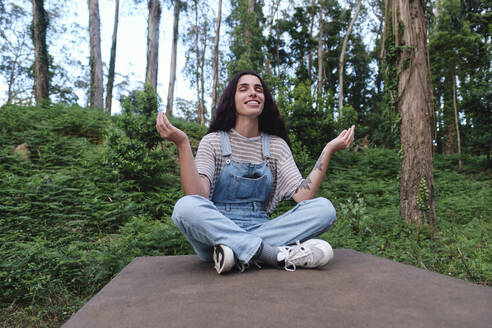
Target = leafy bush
(133,147)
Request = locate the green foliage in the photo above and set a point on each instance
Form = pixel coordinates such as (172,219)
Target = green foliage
(349,117)
(460,50)
(138,116)
(247,37)
(133,148)
(69,221)
(312,124)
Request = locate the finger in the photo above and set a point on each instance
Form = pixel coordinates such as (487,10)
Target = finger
(160,118)
(347,135)
(166,121)
(351,132)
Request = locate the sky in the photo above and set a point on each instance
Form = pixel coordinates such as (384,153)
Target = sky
(131,44)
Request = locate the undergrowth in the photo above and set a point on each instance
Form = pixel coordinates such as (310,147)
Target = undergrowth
(81,197)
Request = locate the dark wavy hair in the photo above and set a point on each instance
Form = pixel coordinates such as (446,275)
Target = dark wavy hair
(269,120)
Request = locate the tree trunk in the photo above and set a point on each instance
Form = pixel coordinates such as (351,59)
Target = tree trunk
(386,19)
(271,19)
(342,59)
(95,61)
(380,33)
(215,63)
(41,74)
(112,60)
(456,120)
(153,23)
(202,76)
(199,67)
(174,48)
(448,115)
(310,55)
(416,180)
(277,49)
(247,32)
(437,10)
(320,50)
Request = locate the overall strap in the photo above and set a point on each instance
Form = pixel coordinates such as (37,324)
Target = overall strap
(226,144)
(265,138)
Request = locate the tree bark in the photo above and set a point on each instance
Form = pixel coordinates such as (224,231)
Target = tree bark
(202,78)
(386,19)
(95,60)
(199,67)
(215,62)
(271,19)
(153,23)
(310,55)
(448,115)
(247,32)
(341,60)
(320,50)
(416,180)
(437,10)
(277,49)
(41,63)
(112,60)
(456,120)
(172,73)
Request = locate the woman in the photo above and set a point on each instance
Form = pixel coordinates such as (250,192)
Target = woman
(243,168)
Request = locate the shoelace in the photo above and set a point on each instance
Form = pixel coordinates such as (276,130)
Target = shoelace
(295,254)
(241,267)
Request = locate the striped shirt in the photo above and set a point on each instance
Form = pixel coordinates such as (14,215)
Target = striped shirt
(286,175)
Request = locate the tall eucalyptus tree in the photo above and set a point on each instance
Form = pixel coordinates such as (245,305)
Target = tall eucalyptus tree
(112,59)
(95,60)
(174,47)
(341,60)
(215,60)
(153,23)
(414,102)
(41,63)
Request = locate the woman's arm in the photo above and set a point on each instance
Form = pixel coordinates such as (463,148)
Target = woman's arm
(310,185)
(192,182)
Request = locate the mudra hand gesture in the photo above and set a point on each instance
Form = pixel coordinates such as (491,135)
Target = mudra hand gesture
(343,141)
(168,131)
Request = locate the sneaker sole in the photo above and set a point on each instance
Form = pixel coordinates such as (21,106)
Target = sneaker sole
(221,254)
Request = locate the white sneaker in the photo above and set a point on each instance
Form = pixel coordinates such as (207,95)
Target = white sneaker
(312,253)
(223,259)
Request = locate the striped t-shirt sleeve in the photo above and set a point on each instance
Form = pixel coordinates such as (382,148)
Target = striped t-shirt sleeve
(205,158)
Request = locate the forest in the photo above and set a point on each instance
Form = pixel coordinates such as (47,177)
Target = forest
(87,184)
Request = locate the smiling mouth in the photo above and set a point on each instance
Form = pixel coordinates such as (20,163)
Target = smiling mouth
(253,102)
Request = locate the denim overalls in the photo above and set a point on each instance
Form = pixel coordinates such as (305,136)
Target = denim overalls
(236,217)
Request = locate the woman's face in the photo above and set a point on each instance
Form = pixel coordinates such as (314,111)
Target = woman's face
(249,98)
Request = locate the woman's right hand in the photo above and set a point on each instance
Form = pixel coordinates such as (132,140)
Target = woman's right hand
(168,131)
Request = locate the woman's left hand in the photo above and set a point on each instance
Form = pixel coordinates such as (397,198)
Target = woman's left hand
(343,141)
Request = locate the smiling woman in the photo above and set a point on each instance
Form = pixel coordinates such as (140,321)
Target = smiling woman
(243,168)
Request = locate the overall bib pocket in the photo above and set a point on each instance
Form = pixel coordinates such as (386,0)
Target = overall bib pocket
(244,188)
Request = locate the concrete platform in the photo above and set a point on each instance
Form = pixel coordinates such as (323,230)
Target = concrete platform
(355,290)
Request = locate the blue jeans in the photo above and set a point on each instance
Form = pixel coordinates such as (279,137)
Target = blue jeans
(205,225)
